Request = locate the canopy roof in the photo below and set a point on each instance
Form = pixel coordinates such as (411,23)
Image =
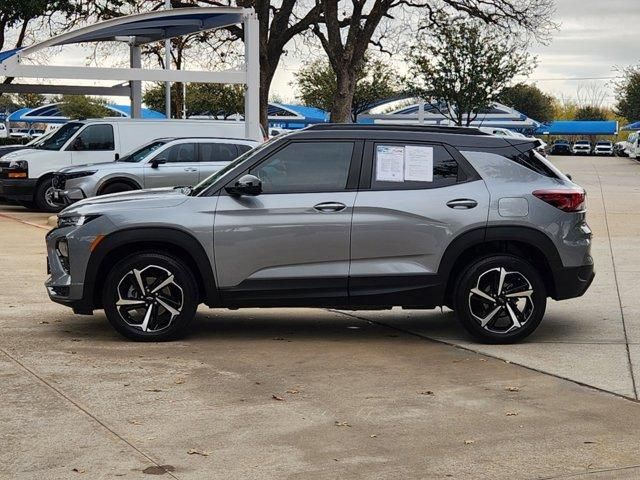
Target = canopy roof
(579,127)
(51,113)
(632,126)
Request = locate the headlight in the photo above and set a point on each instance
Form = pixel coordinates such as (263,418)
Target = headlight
(75,220)
(84,173)
(20,164)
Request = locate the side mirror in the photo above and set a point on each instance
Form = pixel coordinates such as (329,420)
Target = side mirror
(246,185)
(158,161)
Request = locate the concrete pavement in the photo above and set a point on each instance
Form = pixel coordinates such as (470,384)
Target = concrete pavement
(317,394)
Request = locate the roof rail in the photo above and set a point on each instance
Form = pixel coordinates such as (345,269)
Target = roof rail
(406,128)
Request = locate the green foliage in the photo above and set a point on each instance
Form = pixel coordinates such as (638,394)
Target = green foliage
(530,100)
(628,94)
(202,99)
(81,106)
(7,103)
(317,85)
(589,112)
(464,65)
(30,100)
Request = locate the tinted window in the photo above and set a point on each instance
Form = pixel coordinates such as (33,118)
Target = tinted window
(306,167)
(416,171)
(243,148)
(142,152)
(94,138)
(57,140)
(181,153)
(533,161)
(217,152)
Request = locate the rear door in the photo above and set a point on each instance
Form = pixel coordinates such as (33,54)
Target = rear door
(215,155)
(95,143)
(290,245)
(414,199)
(178,166)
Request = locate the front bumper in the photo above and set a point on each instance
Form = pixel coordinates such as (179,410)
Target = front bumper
(67,197)
(18,189)
(572,282)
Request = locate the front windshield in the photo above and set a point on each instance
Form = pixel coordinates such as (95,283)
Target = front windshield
(207,182)
(38,140)
(60,136)
(143,152)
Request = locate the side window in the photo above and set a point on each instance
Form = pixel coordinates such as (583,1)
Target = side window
(181,153)
(243,148)
(217,152)
(95,138)
(306,167)
(412,167)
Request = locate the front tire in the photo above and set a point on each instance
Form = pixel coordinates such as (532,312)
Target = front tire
(150,296)
(500,299)
(44,197)
(116,187)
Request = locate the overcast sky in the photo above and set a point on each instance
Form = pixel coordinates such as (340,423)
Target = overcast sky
(593,38)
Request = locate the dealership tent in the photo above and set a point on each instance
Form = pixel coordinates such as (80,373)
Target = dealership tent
(579,127)
(51,114)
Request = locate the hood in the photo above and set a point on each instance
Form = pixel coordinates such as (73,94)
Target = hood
(153,198)
(29,154)
(100,167)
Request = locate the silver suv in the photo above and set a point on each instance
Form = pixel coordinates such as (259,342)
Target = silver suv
(163,162)
(342,216)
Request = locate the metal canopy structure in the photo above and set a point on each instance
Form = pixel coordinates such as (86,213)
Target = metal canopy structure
(141,29)
(579,127)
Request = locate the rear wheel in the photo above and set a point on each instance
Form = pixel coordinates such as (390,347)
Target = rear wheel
(150,297)
(116,187)
(44,197)
(500,299)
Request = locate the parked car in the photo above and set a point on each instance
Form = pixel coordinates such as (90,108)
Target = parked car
(561,147)
(164,162)
(603,147)
(4,133)
(581,147)
(632,147)
(5,149)
(342,216)
(619,148)
(27,174)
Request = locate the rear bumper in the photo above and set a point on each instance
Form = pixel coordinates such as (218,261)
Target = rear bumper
(22,189)
(572,282)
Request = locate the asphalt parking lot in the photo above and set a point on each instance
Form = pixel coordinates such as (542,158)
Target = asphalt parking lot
(317,394)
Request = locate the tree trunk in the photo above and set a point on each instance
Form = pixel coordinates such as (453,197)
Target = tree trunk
(341,108)
(266,77)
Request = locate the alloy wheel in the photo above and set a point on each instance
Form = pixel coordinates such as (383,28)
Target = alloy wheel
(501,300)
(149,298)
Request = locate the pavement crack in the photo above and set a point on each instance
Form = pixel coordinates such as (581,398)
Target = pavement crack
(85,411)
(590,472)
(615,277)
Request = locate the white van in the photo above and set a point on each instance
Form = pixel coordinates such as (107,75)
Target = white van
(25,175)
(632,148)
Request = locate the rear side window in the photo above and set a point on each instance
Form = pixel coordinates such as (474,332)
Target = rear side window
(181,153)
(217,152)
(412,167)
(533,161)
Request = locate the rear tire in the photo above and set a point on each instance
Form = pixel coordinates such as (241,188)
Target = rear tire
(150,297)
(500,299)
(116,187)
(44,197)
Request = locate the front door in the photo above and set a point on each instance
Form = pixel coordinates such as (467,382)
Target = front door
(94,144)
(290,244)
(175,166)
(415,199)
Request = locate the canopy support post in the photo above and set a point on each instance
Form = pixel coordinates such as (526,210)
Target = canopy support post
(136,85)
(252,80)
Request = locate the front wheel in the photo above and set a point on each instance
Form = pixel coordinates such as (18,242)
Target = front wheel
(150,296)
(500,299)
(44,197)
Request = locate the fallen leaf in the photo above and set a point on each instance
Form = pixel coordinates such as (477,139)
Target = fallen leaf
(342,424)
(193,451)
(512,389)
(469,442)
(78,470)
(483,359)
(126,384)
(427,392)
(134,422)
(373,436)
(156,390)
(179,381)
(276,397)
(589,442)
(512,414)
(257,383)
(293,391)
(44,322)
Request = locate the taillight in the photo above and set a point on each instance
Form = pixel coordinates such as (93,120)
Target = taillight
(567,200)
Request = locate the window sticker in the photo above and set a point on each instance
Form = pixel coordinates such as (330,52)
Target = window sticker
(389,163)
(418,164)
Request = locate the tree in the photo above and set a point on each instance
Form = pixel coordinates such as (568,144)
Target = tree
(30,100)
(590,112)
(628,94)
(346,32)
(317,84)
(464,66)
(81,106)
(530,100)
(202,99)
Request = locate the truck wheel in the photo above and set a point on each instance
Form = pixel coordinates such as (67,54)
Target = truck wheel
(500,299)
(116,187)
(150,297)
(44,197)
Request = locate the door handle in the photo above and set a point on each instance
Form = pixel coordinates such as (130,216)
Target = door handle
(462,204)
(190,169)
(327,207)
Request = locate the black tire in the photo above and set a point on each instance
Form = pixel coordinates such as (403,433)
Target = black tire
(116,187)
(27,205)
(44,197)
(153,268)
(496,308)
